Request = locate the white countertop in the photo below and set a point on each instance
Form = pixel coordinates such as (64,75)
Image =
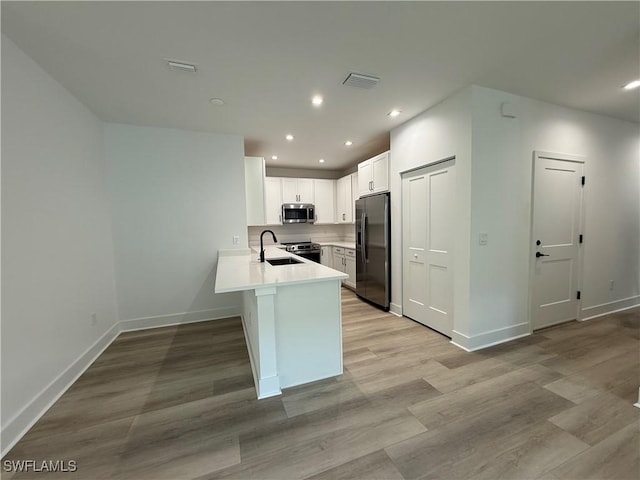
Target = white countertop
(351,245)
(241,269)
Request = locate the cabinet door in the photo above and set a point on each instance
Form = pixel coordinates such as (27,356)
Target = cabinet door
(326,256)
(350,267)
(305,190)
(290,190)
(338,262)
(342,201)
(355,195)
(324,196)
(365,177)
(273,201)
(380,172)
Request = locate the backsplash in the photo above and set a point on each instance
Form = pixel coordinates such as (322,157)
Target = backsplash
(304,232)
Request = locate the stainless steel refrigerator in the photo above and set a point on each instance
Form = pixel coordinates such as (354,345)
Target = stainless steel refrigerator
(373,249)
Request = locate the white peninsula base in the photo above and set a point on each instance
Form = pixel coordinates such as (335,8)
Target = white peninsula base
(291,317)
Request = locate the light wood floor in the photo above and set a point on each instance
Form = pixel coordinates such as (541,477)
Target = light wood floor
(179,403)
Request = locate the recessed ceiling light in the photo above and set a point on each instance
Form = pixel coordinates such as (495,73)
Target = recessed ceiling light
(394,113)
(317,100)
(216,101)
(274,157)
(182,66)
(632,85)
(348,143)
(289,137)
(321,160)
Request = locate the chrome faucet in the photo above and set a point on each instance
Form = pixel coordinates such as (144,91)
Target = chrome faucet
(261,245)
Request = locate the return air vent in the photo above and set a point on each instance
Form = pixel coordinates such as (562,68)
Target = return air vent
(361,81)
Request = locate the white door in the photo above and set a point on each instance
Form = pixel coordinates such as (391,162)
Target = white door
(557,207)
(427,207)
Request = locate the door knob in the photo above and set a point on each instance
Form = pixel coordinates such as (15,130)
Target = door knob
(538,255)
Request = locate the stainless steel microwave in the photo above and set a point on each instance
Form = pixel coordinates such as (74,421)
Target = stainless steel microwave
(298,213)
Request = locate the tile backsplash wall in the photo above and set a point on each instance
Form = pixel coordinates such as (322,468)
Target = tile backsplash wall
(304,233)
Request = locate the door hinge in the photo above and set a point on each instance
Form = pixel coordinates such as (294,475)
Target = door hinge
(578,296)
(583,180)
(580,239)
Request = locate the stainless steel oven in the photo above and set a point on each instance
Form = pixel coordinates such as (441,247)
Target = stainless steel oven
(308,250)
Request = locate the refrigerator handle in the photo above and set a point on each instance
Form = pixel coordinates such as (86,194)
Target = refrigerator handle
(364,237)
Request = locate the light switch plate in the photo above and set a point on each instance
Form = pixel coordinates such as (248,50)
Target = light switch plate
(484,238)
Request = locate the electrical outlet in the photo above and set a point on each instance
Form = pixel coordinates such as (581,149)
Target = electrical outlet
(94,319)
(236,239)
(611,285)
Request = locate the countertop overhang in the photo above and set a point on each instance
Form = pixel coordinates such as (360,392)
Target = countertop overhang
(240,270)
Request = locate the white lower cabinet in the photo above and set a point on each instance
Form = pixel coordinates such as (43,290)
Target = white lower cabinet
(344,260)
(338,260)
(350,267)
(326,256)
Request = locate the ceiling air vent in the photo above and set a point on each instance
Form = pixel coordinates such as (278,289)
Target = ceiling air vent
(361,81)
(181,66)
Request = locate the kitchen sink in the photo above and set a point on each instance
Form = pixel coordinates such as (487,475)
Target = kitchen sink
(283,261)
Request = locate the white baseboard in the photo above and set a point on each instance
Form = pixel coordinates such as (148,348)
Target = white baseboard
(268,387)
(596,311)
(178,319)
(395,309)
(490,338)
(20,424)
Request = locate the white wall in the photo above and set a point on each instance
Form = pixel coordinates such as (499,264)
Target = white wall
(57,252)
(501,206)
(494,160)
(177,197)
(441,132)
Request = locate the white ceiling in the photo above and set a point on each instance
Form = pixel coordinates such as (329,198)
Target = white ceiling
(266,60)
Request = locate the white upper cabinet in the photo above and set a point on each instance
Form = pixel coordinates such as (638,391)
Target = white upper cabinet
(324,198)
(344,199)
(254,189)
(273,200)
(354,194)
(373,175)
(297,190)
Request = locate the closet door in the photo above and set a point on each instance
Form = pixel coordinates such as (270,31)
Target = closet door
(427,201)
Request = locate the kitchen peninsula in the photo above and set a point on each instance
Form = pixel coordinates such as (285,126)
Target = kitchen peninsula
(291,317)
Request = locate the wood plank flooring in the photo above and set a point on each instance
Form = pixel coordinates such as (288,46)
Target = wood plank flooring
(179,403)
